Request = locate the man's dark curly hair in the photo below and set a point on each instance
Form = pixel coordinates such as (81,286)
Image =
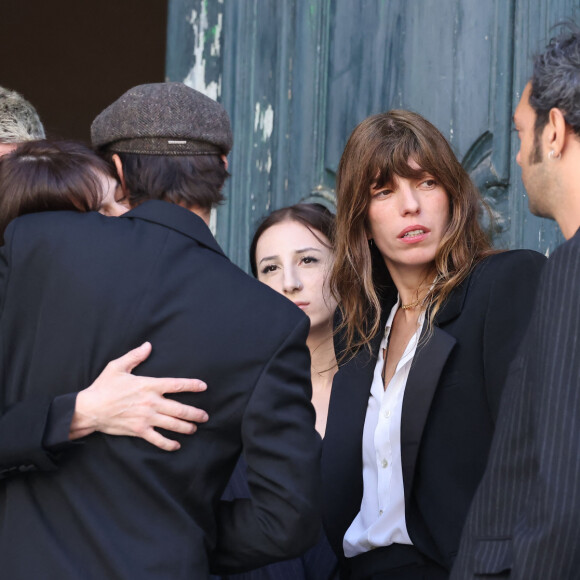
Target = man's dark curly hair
(556,79)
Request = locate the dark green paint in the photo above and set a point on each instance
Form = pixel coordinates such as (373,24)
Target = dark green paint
(324,65)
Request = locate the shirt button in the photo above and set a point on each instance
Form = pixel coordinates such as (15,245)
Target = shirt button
(387,414)
(384,463)
(380,512)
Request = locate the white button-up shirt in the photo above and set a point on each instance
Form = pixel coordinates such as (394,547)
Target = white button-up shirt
(381,520)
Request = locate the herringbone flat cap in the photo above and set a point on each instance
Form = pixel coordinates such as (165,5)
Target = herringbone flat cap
(163,119)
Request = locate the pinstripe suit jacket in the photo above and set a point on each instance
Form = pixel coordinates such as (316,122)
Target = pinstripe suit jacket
(524,522)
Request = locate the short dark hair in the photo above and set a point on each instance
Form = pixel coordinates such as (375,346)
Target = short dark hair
(49,176)
(191,180)
(556,79)
(313,216)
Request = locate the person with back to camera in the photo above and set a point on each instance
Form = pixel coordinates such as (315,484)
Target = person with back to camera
(431,318)
(77,289)
(295,248)
(292,252)
(46,175)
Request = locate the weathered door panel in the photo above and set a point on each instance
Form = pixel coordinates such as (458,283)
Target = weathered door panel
(296,77)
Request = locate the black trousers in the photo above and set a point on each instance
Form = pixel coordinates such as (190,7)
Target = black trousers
(395,562)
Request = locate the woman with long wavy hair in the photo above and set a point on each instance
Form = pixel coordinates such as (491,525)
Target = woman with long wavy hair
(431,318)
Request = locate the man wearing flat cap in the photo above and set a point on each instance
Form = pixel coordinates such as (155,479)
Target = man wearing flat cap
(77,290)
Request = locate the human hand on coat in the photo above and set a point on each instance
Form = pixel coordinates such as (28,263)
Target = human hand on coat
(120,403)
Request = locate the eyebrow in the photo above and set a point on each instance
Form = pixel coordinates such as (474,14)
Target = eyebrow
(391,183)
(302,251)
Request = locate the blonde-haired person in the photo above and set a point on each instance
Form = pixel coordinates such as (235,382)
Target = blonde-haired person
(19,121)
(431,320)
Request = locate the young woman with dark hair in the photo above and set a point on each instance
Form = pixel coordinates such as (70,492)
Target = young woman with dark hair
(292,252)
(55,175)
(431,318)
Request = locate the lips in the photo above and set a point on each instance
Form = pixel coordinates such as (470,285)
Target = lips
(302,305)
(414,233)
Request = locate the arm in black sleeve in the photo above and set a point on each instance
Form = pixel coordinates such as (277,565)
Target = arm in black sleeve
(30,430)
(282,452)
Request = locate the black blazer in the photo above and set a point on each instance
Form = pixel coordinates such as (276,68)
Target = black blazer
(525,518)
(449,407)
(77,290)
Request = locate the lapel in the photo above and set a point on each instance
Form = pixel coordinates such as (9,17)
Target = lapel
(341,450)
(426,369)
(350,395)
(352,385)
(177,218)
(428,363)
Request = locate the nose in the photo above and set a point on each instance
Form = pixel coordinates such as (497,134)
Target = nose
(291,281)
(409,199)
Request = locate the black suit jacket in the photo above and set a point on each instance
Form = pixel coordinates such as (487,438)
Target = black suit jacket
(525,519)
(449,407)
(77,290)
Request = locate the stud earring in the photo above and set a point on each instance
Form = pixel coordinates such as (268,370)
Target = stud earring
(552,155)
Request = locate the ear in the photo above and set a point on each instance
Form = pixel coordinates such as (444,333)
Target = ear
(119,168)
(225,160)
(555,131)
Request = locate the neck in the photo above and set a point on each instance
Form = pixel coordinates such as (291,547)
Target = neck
(322,357)
(567,214)
(570,222)
(412,285)
(566,207)
(203,213)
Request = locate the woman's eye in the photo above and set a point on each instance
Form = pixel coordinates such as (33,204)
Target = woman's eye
(309,260)
(269,268)
(429,183)
(382,193)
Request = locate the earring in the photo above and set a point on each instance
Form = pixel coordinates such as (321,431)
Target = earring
(371,242)
(552,155)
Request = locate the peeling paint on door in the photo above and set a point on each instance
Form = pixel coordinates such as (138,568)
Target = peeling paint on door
(196,77)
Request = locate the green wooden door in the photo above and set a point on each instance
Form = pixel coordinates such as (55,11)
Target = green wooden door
(297,76)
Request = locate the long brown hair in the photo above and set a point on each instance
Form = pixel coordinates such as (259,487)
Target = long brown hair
(380,148)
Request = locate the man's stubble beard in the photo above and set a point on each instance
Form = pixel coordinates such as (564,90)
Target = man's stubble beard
(538,183)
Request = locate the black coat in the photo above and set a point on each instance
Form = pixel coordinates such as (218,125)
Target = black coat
(449,407)
(78,290)
(524,522)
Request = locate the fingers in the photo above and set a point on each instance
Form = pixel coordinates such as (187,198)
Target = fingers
(134,357)
(155,438)
(175,425)
(169,424)
(167,385)
(182,412)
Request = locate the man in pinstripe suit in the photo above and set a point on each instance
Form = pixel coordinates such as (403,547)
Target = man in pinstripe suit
(524,522)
